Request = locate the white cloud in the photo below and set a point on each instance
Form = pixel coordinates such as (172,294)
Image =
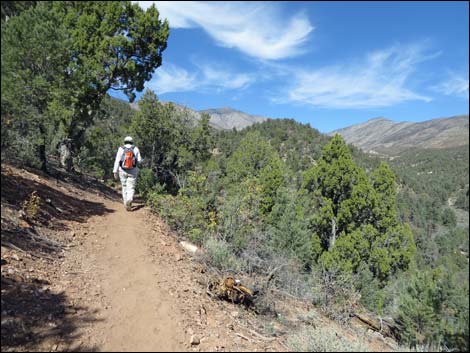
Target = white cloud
(172,78)
(378,80)
(224,79)
(454,85)
(258,29)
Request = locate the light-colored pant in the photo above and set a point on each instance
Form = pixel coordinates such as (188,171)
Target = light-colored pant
(128,179)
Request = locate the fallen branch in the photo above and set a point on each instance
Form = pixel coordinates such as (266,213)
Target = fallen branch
(269,339)
(240,335)
(380,325)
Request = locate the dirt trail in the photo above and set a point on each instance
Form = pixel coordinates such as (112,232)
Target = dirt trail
(140,315)
(147,293)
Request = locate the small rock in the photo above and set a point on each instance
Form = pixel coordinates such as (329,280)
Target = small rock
(234,314)
(189,247)
(15,257)
(194,341)
(11,271)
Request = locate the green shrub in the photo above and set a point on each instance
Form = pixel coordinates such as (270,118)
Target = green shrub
(218,254)
(145,181)
(323,339)
(31,205)
(196,235)
(335,293)
(448,217)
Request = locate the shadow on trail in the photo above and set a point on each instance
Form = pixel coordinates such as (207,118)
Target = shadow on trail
(34,318)
(55,208)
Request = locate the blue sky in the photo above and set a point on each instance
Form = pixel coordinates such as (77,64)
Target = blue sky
(330,64)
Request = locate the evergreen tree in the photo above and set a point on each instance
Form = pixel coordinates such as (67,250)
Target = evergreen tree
(14,8)
(164,134)
(60,59)
(251,156)
(383,182)
(114,45)
(343,197)
(355,220)
(35,52)
(202,139)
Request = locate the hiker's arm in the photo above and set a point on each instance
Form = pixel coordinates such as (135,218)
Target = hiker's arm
(116,163)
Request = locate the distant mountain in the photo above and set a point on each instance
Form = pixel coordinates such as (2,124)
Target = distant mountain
(228,118)
(221,118)
(384,136)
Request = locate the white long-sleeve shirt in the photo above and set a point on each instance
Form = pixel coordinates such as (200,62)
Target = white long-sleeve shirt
(120,153)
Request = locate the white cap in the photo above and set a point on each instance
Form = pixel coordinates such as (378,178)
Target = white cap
(128,139)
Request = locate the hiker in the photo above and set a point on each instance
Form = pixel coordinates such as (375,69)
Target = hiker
(127,159)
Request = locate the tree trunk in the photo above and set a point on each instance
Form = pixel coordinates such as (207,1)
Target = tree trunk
(153,156)
(65,150)
(42,157)
(42,150)
(333,233)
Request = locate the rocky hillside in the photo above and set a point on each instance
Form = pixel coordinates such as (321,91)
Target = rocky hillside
(228,118)
(222,118)
(384,136)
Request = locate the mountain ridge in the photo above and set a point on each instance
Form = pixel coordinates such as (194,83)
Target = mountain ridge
(385,136)
(225,118)
(379,135)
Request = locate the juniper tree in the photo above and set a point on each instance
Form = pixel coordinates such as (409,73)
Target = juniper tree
(67,55)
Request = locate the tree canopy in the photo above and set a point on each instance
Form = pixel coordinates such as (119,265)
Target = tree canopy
(61,58)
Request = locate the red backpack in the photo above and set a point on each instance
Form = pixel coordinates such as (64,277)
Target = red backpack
(128,159)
